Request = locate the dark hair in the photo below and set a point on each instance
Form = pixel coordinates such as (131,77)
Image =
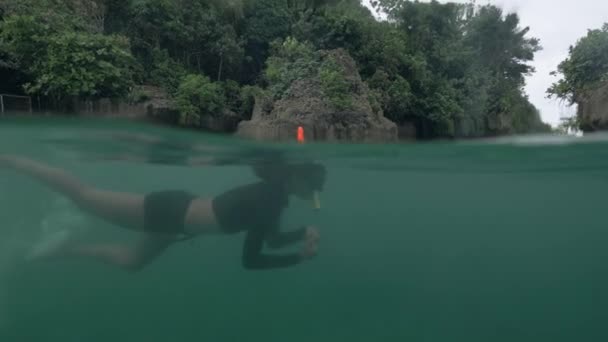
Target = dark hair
(311,173)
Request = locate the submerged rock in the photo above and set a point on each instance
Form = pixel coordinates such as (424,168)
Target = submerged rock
(306,104)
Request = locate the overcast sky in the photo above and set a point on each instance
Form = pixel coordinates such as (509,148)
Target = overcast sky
(558,24)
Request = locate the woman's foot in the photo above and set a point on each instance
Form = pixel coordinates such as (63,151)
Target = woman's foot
(53,245)
(311,243)
(7,160)
(3,159)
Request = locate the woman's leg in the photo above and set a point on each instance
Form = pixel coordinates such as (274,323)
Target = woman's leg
(132,258)
(123,209)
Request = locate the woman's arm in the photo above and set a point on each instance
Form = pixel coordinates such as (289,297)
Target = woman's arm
(278,239)
(254,259)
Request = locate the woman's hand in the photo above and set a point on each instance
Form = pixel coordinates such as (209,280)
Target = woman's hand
(5,159)
(311,242)
(8,160)
(312,234)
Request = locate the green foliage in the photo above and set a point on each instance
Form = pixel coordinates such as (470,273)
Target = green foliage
(137,95)
(585,68)
(84,65)
(264,22)
(374,101)
(232,93)
(24,39)
(247,101)
(395,95)
(117,16)
(230,10)
(453,70)
(165,72)
(267,20)
(65,63)
(12,64)
(372,44)
(499,45)
(334,84)
(465,65)
(331,30)
(525,118)
(197,96)
(240,100)
(569,125)
(192,34)
(57,15)
(290,60)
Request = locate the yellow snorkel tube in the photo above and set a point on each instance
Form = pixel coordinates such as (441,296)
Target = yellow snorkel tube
(316,202)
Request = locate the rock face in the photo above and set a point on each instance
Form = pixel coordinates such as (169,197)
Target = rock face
(305,104)
(227,122)
(158,104)
(155,104)
(593,109)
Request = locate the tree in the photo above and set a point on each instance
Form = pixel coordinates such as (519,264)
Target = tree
(88,15)
(265,21)
(585,67)
(499,53)
(63,64)
(464,65)
(197,97)
(117,16)
(192,33)
(233,11)
(93,11)
(10,74)
(83,65)
(569,125)
(290,61)
(452,70)
(25,39)
(500,45)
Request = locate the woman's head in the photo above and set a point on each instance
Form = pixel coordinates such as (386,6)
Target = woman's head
(303,180)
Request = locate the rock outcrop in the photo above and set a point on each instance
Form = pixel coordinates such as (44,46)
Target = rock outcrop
(227,122)
(150,102)
(593,109)
(158,104)
(306,105)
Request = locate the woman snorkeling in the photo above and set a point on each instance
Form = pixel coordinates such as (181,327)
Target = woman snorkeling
(170,216)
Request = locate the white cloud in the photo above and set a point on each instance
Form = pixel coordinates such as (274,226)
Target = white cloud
(558,24)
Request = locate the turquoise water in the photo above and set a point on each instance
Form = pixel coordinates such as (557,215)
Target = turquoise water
(499,240)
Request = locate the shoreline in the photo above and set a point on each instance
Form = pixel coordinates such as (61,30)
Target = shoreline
(159,123)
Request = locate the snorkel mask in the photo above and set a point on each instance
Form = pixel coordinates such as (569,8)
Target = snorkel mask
(311,178)
(316,201)
(317,183)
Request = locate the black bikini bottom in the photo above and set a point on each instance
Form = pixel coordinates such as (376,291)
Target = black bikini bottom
(165,211)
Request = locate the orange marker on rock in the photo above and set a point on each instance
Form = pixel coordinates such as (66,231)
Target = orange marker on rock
(300,134)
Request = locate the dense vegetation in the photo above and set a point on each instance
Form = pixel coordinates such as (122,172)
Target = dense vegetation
(453,70)
(586,68)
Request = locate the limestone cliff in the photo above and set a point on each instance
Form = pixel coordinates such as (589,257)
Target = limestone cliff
(306,104)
